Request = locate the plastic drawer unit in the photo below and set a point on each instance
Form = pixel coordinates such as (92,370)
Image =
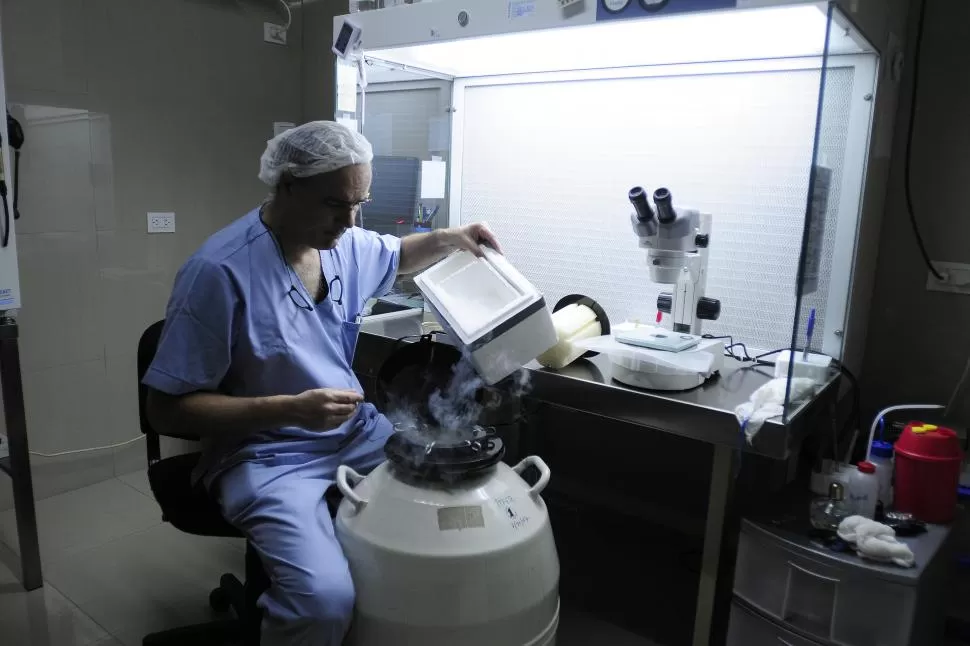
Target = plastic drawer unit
(826,597)
(749,629)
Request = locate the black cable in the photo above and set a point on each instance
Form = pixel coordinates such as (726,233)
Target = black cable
(15,138)
(768,354)
(16,184)
(5,232)
(731,344)
(730,350)
(855,415)
(907,180)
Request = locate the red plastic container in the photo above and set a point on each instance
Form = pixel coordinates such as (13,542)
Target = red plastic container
(928,464)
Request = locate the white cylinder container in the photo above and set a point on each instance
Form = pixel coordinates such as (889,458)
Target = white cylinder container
(573,323)
(469,561)
(863,490)
(575,318)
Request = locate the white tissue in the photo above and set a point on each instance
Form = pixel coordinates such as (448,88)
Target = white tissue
(769,401)
(875,541)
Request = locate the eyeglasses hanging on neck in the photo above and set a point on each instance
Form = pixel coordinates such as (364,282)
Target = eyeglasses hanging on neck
(334,289)
(336,286)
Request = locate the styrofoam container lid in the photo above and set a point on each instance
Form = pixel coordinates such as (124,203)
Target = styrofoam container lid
(476,294)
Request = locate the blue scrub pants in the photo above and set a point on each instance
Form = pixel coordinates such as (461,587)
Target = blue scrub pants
(277,502)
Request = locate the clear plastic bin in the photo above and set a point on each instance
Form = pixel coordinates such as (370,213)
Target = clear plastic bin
(833,603)
(748,629)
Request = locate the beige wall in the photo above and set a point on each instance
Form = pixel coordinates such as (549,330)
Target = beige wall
(918,340)
(129,106)
(318,60)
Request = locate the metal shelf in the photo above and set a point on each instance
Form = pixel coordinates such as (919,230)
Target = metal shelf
(705,413)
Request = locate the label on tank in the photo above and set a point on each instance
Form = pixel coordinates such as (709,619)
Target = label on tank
(468,517)
(510,509)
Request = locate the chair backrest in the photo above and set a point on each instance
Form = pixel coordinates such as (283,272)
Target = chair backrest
(147,346)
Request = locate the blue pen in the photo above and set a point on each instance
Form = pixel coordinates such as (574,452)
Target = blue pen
(808,335)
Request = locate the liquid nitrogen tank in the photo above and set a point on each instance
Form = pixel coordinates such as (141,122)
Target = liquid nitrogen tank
(448,545)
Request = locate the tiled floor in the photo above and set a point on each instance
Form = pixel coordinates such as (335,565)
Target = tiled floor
(114,572)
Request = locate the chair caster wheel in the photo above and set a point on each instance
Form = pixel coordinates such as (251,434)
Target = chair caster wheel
(219,600)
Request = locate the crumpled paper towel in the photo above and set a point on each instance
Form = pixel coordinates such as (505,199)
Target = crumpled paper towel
(769,401)
(875,541)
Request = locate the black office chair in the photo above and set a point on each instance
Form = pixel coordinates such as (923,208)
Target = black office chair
(190,509)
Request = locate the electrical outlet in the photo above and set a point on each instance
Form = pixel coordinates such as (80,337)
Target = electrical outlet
(161,223)
(273,33)
(956,278)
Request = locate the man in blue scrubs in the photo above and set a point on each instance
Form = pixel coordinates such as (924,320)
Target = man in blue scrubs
(256,358)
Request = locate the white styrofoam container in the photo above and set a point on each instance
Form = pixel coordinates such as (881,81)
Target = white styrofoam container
(496,316)
(816,367)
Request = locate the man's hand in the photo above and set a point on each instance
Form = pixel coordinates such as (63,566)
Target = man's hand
(470,238)
(324,409)
(423,249)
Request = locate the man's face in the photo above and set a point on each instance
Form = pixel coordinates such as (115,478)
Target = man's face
(322,207)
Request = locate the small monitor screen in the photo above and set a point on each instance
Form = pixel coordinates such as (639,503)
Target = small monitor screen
(343,38)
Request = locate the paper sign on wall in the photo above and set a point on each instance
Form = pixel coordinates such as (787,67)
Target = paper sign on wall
(346,87)
(521,9)
(433,175)
(350,123)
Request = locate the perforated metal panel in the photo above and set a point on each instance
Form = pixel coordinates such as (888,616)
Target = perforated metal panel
(549,165)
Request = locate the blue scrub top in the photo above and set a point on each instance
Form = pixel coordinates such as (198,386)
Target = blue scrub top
(232,327)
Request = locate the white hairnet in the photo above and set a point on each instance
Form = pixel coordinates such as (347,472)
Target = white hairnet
(312,149)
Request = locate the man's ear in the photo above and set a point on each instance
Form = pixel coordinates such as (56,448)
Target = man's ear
(286,183)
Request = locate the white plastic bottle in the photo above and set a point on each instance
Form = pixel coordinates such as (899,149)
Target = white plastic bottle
(881,455)
(864,490)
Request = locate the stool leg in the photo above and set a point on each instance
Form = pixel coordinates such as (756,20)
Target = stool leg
(256,584)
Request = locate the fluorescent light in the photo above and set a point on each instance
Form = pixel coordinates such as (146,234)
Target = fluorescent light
(778,32)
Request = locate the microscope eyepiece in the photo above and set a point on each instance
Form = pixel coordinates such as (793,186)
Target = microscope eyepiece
(665,205)
(638,197)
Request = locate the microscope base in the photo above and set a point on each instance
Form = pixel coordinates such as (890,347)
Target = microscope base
(642,373)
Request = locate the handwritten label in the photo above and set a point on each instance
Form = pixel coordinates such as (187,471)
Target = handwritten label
(510,508)
(521,9)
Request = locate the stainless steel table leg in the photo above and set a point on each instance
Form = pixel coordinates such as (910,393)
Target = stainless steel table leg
(16,424)
(716,587)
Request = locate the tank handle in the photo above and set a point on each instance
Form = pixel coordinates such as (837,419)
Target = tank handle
(544,473)
(347,489)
